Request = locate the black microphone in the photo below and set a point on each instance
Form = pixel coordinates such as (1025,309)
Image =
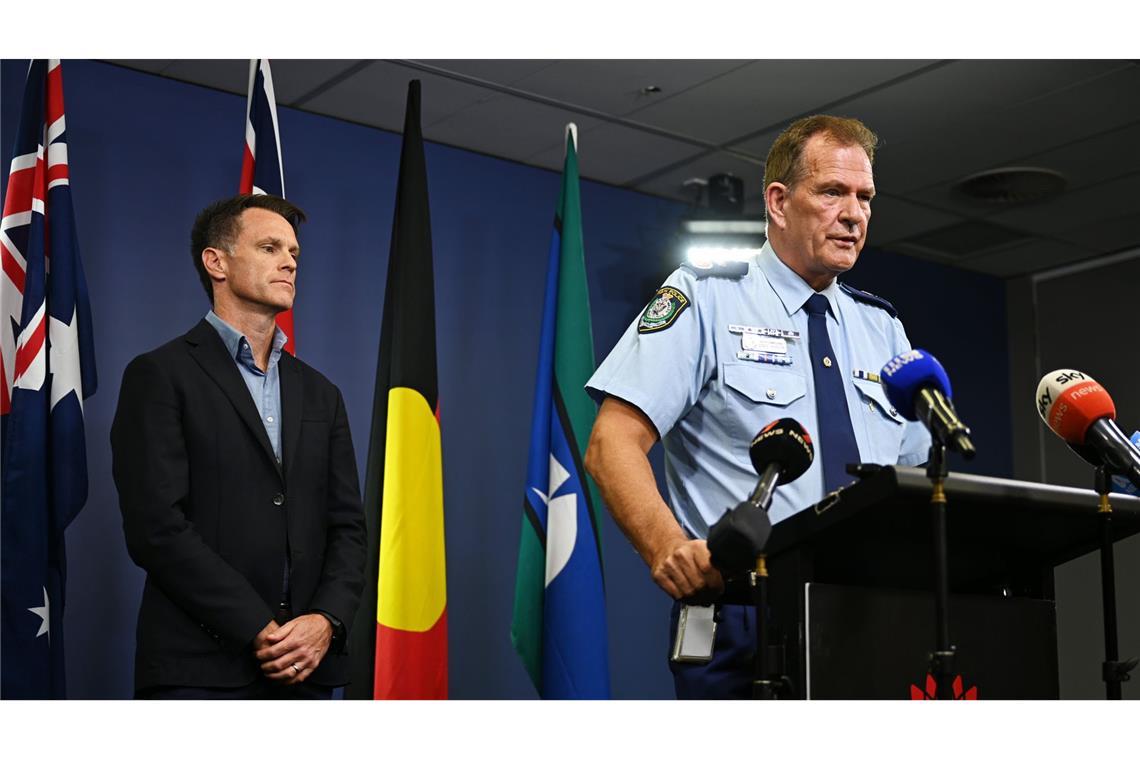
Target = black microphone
(781,452)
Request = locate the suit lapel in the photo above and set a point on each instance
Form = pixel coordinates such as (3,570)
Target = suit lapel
(209,352)
(291,395)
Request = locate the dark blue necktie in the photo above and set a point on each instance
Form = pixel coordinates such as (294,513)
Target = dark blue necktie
(837,445)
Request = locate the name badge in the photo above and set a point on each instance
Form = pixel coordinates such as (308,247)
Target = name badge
(769,331)
(759,356)
(769,345)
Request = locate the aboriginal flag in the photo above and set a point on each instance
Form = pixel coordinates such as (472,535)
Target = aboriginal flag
(403,493)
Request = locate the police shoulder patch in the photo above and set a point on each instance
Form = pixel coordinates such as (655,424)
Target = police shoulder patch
(869,298)
(663,309)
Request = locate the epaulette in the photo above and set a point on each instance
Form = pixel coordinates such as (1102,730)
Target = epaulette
(871,298)
(730,269)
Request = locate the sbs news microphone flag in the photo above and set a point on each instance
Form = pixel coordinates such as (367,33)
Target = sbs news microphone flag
(48,369)
(403,491)
(559,624)
(262,170)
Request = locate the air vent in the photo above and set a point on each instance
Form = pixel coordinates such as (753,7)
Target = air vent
(1012,185)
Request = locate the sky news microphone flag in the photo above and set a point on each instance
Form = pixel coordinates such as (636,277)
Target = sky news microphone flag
(48,369)
(262,170)
(403,491)
(559,625)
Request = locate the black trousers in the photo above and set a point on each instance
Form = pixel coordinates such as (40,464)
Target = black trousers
(730,672)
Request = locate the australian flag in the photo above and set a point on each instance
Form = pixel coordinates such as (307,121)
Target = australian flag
(262,170)
(48,370)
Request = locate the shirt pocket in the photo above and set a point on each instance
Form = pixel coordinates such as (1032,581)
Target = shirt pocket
(757,394)
(885,425)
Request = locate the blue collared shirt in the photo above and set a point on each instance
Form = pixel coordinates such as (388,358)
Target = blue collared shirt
(264,387)
(707,401)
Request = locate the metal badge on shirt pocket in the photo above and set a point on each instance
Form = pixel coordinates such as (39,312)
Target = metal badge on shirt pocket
(768,345)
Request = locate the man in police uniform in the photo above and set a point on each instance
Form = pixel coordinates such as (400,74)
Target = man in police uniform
(722,350)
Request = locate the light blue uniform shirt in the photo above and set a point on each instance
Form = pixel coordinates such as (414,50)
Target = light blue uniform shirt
(707,402)
(264,387)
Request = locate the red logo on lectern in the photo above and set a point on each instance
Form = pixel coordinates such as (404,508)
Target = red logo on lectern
(932,689)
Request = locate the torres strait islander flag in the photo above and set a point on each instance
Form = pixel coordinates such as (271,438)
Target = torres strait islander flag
(262,171)
(404,476)
(48,369)
(559,624)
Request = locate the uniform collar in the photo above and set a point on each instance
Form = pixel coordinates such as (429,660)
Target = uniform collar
(790,288)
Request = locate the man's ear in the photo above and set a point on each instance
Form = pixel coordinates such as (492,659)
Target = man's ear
(775,198)
(214,260)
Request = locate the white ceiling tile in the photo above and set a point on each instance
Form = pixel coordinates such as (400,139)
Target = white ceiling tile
(973,92)
(139,64)
(894,218)
(378,94)
(957,118)
(505,126)
(1107,235)
(1075,112)
(1082,163)
(986,136)
(616,154)
(765,93)
(293,78)
(1108,154)
(1067,211)
(505,72)
(938,157)
(615,87)
(229,75)
(1028,257)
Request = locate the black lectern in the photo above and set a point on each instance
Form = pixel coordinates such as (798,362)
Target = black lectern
(851,579)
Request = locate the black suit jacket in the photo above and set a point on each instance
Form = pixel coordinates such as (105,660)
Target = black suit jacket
(210,514)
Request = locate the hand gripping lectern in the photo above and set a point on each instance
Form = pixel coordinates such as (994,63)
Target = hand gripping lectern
(851,608)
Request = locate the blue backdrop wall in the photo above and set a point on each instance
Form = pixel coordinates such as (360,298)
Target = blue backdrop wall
(147,153)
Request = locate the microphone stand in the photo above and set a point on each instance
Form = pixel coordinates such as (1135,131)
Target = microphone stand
(1113,672)
(764,686)
(942,658)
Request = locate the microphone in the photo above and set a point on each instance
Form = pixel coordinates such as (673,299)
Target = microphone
(1121,485)
(919,389)
(781,452)
(1079,410)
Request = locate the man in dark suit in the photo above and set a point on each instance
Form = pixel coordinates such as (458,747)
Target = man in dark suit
(238,484)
